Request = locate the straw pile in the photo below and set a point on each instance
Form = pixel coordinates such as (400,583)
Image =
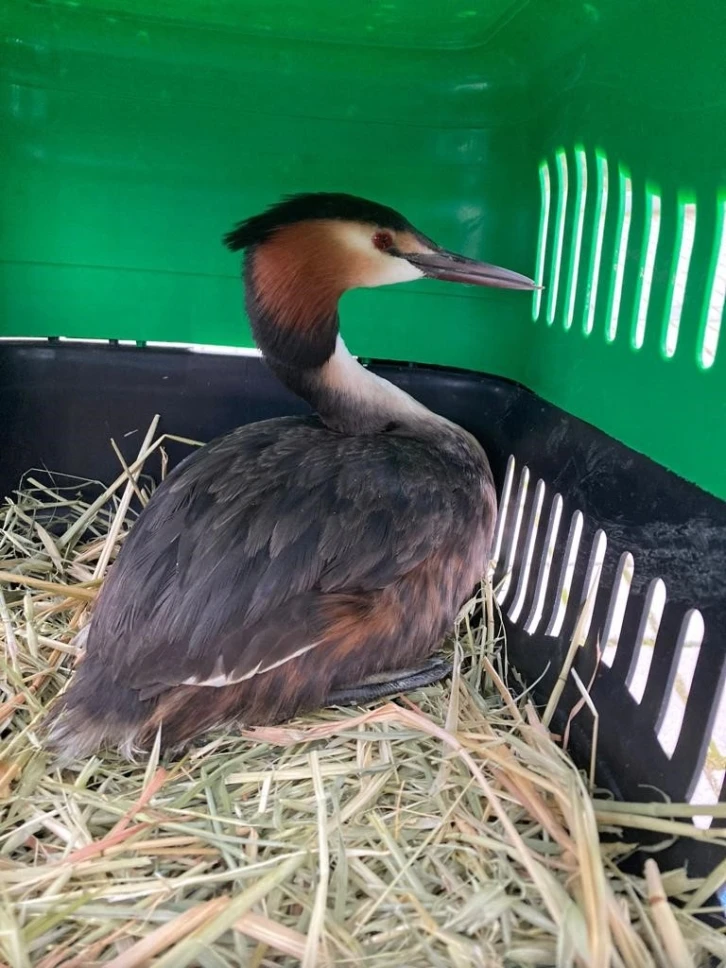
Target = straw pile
(447,828)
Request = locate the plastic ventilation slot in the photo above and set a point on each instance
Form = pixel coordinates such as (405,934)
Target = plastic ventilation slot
(504,503)
(580,201)
(650,247)
(545,566)
(544,222)
(92,340)
(503,590)
(625,215)
(24,339)
(688,648)
(717,298)
(687,229)
(637,677)
(566,574)
(559,237)
(592,581)
(528,553)
(710,780)
(601,206)
(616,609)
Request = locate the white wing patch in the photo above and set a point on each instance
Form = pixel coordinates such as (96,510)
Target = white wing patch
(223,679)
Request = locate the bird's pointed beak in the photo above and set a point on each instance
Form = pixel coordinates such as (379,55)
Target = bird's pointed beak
(450,267)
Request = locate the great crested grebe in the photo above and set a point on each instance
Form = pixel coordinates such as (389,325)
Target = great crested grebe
(301,561)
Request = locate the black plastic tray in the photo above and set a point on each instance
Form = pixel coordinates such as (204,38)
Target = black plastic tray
(61,402)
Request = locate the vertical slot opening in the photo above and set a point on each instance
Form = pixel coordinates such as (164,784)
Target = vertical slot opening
(625,215)
(559,237)
(710,779)
(616,610)
(544,221)
(503,512)
(688,648)
(637,677)
(580,200)
(647,264)
(601,206)
(566,575)
(518,603)
(687,236)
(503,590)
(592,580)
(545,568)
(711,327)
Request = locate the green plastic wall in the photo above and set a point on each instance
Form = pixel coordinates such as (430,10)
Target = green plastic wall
(134,133)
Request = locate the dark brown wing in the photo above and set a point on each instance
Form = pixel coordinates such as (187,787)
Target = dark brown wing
(218,578)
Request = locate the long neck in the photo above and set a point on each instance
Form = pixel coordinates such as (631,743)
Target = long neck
(308,355)
(351,399)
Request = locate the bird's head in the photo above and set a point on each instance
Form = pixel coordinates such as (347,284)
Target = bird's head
(306,251)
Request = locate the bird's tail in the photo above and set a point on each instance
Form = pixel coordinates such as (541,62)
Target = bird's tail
(93,713)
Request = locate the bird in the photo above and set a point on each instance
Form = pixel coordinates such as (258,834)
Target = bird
(304,561)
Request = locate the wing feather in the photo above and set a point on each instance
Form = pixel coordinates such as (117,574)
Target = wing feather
(224,571)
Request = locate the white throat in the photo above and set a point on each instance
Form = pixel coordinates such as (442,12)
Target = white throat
(344,374)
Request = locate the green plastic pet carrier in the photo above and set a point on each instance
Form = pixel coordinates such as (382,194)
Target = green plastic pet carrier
(583,143)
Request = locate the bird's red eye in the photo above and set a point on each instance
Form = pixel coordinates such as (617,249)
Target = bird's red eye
(383,241)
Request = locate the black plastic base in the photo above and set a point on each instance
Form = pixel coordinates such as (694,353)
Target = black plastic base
(60,404)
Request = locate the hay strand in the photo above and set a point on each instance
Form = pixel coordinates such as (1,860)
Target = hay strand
(665,922)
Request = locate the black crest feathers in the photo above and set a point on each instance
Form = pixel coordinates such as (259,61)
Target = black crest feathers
(313,205)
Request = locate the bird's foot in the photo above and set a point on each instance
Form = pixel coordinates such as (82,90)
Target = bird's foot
(390,683)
